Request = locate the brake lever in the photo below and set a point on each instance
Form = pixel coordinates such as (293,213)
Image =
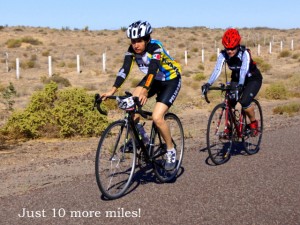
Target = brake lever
(97,103)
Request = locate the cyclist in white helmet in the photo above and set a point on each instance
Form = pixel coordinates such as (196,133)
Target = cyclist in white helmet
(162,77)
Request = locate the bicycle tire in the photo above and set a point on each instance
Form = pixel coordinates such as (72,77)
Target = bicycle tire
(252,141)
(159,150)
(219,144)
(115,163)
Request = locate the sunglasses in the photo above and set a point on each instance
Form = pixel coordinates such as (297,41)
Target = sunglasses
(230,49)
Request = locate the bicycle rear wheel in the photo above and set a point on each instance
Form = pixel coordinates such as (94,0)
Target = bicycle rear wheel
(158,152)
(252,139)
(218,137)
(115,160)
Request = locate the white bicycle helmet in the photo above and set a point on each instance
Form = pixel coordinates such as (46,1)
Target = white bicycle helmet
(139,29)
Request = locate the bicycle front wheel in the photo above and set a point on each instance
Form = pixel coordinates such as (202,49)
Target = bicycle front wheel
(252,138)
(219,136)
(115,160)
(158,153)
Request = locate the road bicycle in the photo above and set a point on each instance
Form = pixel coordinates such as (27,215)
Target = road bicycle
(228,127)
(121,148)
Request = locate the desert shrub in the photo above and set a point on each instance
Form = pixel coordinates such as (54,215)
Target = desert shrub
(46,53)
(7,95)
(201,67)
(90,53)
(61,64)
(199,77)
(64,113)
(63,82)
(263,66)
(72,65)
(295,56)
(27,64)
(290,109)
(213,58)
(13,43)
(31,40)
(33,57)
(276,91)
(284,53)
(73,114)
(27,123)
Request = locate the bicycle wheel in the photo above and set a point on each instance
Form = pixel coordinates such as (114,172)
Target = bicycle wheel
(252,139)
(158,152)
(218,137)
(115,160)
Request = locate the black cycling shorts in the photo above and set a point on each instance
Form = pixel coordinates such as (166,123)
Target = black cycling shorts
(251,89)
(166,91)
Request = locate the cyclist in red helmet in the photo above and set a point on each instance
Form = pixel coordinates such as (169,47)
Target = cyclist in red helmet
(162,78)
(245,75)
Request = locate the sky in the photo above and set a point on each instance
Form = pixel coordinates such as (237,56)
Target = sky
(116,14)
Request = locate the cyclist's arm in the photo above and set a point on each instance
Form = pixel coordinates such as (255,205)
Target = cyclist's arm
(244,67)
(125,70)
(217,70)
(153,67)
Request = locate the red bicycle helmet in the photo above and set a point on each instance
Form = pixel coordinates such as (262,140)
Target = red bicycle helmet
(231,38)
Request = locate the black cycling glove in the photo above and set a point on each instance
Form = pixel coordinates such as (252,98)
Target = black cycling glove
(205,88)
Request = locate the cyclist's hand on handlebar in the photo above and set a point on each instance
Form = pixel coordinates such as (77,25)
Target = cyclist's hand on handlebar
(143,96)
(109,93)
(205,88)
(239,87)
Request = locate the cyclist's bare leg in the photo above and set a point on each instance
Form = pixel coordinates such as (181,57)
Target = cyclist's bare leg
(158,115)
(250,113)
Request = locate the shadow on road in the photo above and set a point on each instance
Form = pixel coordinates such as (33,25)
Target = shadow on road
(143,176)
(238,149)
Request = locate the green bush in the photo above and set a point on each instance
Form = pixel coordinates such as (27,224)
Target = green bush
(276,91)
(56,113)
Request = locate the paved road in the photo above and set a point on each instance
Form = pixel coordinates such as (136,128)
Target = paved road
(259,189)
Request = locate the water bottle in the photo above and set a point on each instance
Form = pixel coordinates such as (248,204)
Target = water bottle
(143,133)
